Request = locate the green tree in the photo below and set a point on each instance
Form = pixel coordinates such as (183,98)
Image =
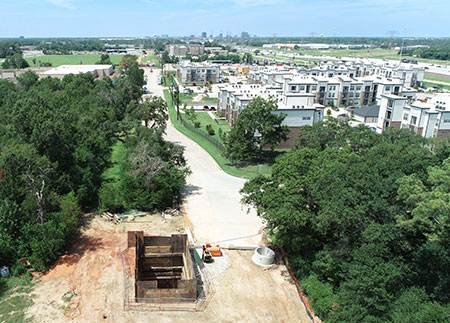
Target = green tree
(15,61)
(27,79)
(153,111)
(128,61)
(104,59)
(258,126)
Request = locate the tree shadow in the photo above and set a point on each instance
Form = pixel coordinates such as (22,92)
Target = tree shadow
(80,245)
(3,287)
(189,190)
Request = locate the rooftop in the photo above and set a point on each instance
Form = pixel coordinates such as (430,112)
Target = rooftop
(75,69)
(366,111)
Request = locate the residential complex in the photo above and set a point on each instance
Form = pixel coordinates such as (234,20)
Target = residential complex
(235,97)
(429,117)
(182,50)
(189,72)
(382,95)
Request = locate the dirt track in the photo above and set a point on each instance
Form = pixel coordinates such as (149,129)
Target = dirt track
(86,285)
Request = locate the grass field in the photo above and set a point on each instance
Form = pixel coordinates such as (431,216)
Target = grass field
(15,298)
(58,60)
(118,154)
(205,119)
(363,53)
(152,59)
(430,85)
(248,171)
(437,79)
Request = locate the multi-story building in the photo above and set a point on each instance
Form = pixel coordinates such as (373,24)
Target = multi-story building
(188,72)
(428,118)
(299,110)
(181,50)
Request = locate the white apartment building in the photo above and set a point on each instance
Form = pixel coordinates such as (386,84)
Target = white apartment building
(181,50)
(428,118)
(188,72)
(300,111)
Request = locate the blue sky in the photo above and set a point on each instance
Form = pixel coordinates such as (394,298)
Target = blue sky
(82,18)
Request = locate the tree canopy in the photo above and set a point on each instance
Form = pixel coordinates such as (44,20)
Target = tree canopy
(365,220)
(56,139)
(257,127)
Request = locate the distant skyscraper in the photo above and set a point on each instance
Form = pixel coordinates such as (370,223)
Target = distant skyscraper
(245,34)
(204,34)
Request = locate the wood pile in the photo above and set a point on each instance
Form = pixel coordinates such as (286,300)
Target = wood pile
(111,217)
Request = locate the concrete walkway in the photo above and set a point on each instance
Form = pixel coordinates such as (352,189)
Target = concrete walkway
(211,197)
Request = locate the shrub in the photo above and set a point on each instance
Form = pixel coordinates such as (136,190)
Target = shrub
(109,197)
(7,253)
(210,130)
(47,243)
(18,269)
(197,124)
(320,295)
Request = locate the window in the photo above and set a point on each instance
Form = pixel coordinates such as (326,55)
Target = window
(388,88)
(358,88)
(313,88)
(302,88)
(293,88)
(405,116)
(352,88)
(306,118)
(446,120)
(414,120)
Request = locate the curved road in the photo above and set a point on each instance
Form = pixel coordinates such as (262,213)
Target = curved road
(211,197)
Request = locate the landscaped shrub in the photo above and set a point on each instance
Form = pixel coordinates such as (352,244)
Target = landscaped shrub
(210,130)
(320,295)
(197,124)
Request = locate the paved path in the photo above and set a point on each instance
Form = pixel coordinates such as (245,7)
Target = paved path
(212,199)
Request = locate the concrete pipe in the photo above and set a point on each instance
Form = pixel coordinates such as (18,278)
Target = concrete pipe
(263,256)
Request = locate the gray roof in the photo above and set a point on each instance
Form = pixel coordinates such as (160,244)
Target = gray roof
(366,111)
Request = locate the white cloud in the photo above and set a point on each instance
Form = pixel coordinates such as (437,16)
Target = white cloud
(68,4)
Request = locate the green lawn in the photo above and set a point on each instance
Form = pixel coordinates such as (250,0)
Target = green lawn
(436,79)
(247,171)
(204,118)
(209,99)
(366,53)
(15,298)
(58,60)
(187,99)
(152,59)
(430,85)
(118,154)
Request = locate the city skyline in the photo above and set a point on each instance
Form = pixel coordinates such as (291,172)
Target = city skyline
(139,18)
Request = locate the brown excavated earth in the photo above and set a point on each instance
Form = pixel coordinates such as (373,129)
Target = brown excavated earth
(86,285)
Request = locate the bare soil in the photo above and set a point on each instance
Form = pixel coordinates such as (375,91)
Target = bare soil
(86,285)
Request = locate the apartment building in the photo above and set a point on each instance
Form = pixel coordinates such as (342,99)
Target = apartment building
(428,118)
(188,72)
(343,90)
(301,111)
(181,50)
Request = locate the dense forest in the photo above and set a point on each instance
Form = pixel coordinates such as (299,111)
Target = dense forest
(365,219)
(442,53)
(56,139)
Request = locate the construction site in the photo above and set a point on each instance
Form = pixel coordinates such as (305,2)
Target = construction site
(165,273)
(149,269)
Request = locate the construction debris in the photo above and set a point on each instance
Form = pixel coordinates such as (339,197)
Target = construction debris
(111,217)
(118,218)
